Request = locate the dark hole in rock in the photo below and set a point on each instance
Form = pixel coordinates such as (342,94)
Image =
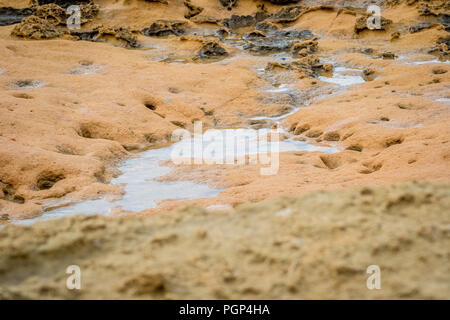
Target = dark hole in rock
(174,90)
(131,147)
(192,10)
(439,71)
(150,106)
(330,161)
(9,193)
(22,96)
(48,179)
(18,199)
(85,132)
(388,55)
(314,134)
(299,129)
(178,123)
(207,112)
(392,141)
(100,176)
(228,3)
(355,148)
(332,136)
(149,138)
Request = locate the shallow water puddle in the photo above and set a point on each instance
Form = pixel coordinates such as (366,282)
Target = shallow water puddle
(217,145)
(141,190)
(138,174)
(344,77)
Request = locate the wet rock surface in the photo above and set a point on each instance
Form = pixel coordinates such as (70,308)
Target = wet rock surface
(433,8)
(286,15)
(420,27)
(123,34)
(236,21)
(211,49)
(229,4)
(308,66)
(9,16)
(442,48)
(163,28)
(267,44)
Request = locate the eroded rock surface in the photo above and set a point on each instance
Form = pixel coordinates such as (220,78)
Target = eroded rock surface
(123,34)
(211,49)
(363,24)
(162,28)
(36,28)
(191,9)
